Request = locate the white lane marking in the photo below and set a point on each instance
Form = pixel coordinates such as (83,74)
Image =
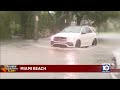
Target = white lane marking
(113,76)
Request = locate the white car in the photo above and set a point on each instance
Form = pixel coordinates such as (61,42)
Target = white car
(75,36)
(116,63)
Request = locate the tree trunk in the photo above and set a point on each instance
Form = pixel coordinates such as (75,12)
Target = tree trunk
(98,29)
(78,21)
(36,32)
(23,20)
(79,18)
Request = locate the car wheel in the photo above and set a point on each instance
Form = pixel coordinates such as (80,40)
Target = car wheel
(78,44)
(94,43)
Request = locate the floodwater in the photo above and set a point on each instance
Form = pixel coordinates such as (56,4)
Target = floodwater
(40,52)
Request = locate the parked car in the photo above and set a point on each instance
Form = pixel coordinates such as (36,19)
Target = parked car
(75,36)
(115,62)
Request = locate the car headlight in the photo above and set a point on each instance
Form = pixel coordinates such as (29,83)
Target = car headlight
(52,37)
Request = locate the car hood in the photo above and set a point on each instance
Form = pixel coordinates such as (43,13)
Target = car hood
(67,34)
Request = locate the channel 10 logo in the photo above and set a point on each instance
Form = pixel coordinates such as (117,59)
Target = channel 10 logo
(105,67)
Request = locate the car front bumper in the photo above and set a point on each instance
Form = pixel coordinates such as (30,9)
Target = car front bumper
(60,44)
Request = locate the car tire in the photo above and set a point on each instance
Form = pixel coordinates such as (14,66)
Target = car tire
(94,43)
(78,44)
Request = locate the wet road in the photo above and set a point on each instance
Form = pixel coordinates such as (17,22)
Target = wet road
(40,52)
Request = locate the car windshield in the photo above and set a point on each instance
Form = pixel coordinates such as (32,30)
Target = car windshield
(71,30)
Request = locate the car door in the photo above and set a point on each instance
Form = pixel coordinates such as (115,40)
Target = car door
(89,36)
(83,37)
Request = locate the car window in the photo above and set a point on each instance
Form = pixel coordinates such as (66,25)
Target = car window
(93,29)
(88,30)
(83,30)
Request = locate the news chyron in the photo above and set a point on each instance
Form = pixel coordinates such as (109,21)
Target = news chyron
(8,68)
(14,68)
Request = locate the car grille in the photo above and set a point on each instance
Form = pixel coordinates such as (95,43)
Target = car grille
(60,39)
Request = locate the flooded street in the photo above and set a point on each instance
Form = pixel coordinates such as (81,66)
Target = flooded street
(40,52)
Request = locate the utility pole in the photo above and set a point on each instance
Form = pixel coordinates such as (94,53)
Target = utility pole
(65,22)
(36,33)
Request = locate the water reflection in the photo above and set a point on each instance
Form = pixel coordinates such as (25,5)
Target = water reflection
(70,58)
